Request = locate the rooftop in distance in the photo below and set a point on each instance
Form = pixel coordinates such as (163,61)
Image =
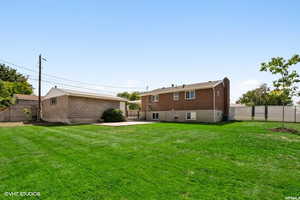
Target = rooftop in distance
(55,92)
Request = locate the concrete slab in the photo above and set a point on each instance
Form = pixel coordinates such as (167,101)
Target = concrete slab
(12,124)
(124,123)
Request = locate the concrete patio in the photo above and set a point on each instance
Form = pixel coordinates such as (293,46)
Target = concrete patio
(130,123)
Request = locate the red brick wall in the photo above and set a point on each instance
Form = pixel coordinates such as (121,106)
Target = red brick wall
(203,101)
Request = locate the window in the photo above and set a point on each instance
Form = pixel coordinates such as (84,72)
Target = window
(190,95)
(218,93)
(191,116)
(176,96)
(154,98)
(53,101)
(155,116)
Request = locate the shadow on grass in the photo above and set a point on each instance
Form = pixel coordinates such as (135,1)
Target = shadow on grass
(52,124)
(223,123)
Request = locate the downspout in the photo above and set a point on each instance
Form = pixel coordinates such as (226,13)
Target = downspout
(214,104)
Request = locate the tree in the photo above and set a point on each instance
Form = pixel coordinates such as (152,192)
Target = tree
(263,96)
(12,82)
(125,95)
(131,97)
(255,97)
(288,79)
(134,96)
(11,75)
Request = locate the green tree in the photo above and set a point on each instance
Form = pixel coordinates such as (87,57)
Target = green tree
(255,97)
(5,98)
(264,96)
(12,82)
(11,75)
(134,96)
(131,97)
(125,95)
(288,79)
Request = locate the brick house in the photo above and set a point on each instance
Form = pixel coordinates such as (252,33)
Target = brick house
(70,106)
(16,113)
(200,102)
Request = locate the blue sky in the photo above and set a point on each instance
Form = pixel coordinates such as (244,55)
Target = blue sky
(150,43)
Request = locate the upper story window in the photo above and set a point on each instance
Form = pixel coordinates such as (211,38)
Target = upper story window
(154,98)
(218,93)
(189,95)
(176,96)
(53,101)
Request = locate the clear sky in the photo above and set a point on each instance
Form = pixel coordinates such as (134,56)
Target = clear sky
(150,43)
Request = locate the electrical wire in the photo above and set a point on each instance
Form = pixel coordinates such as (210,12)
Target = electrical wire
(69,80)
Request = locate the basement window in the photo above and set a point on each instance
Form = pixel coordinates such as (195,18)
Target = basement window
(53,101)
(191,116)
(189,95)
(155,116)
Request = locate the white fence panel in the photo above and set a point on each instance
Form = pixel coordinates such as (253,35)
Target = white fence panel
(259,113)
(274,113)
(297,114)
(289,113)
(241,113)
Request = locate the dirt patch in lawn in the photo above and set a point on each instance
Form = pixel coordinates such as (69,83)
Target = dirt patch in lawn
(285,130)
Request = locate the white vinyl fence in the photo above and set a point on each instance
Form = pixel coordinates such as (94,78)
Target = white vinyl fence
(265,113)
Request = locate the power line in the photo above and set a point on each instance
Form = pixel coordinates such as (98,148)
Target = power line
(65,79)
(35,78)
(68,85)
(55,82)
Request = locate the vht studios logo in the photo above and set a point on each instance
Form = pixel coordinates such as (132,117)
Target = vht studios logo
(22,194)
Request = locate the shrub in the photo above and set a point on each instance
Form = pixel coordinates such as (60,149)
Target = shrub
(113,115)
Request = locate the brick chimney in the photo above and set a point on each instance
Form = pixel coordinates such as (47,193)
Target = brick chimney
(226,83)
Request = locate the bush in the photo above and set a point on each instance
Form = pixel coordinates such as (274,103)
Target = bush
(113,115)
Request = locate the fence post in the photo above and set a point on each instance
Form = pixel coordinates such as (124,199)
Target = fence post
(266,112)
(253,112)
(295,114)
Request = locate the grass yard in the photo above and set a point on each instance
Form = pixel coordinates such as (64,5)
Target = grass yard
(241,160)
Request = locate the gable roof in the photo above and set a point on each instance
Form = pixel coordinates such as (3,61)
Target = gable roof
(26,97)
(195,86)
(56,92)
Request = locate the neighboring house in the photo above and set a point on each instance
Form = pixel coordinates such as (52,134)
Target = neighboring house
(69,106)
(200,102)
(16,113)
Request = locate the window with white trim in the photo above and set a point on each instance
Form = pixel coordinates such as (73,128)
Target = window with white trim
(191,116)
(155,116)
(154,98)
(176,96)
(189,95)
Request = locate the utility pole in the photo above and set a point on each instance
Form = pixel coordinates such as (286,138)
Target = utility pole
(40,81)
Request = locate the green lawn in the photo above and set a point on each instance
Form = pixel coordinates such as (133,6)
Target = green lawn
(241,160)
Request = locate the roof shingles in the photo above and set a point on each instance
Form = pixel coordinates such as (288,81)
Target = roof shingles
(203,85)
